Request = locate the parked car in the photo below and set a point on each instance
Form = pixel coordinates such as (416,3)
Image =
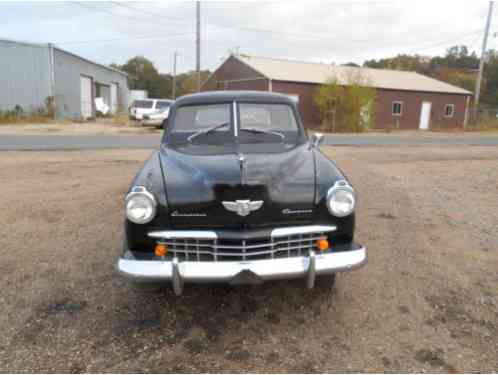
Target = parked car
(142,107)
(159,119)
(238,193)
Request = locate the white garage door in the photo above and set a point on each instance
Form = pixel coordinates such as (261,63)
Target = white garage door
(86,97)
(114,97)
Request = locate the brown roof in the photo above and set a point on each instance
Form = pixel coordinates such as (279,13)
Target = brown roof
(299,71)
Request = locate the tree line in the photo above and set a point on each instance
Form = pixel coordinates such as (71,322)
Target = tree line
(143,75)
(457,66)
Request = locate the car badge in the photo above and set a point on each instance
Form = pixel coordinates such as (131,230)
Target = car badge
(188,214)
(242,207)
(288,211)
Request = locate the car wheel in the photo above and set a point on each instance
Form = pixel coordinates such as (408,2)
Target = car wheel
(325,281)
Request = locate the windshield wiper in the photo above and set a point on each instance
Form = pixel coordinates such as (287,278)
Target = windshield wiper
(263,131)
(208,130)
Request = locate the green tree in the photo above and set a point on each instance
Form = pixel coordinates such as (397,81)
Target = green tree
(186,83)
(490,80)
(346,107)
(165,85)
(142,75)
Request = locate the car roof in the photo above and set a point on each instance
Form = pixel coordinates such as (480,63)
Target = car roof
(229,96)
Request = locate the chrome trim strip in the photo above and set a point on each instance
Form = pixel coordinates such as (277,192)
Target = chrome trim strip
(307,229)
(268,269)
(211,235)
(184,234)
(235,122)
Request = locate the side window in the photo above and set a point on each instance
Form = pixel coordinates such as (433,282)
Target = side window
(162,105)
(397,109)
(449,110)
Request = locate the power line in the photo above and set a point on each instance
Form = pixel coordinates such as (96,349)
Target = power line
(107,11)
(445,42)
(317,37)
(249,29)
(155,15)
(144,37)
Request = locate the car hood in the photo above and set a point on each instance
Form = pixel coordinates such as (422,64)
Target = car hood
(196,186)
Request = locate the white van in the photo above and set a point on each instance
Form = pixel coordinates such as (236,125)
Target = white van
(142,107)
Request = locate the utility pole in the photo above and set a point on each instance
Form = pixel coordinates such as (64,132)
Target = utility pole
(483,56)
(198,46)
(173,89)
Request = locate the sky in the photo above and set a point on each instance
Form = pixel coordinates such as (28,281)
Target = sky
(318,31)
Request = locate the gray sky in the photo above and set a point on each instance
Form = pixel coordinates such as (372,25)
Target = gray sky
(320,31)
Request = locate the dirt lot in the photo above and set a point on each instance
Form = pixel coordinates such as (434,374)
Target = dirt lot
(101,126)
(427,301)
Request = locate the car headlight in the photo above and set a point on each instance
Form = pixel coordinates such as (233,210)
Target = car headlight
(140,205)
(341,199)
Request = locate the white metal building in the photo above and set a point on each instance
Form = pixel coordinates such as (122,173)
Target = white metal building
(33,75)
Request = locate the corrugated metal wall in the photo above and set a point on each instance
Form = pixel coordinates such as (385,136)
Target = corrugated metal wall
(68,70)
(24,75)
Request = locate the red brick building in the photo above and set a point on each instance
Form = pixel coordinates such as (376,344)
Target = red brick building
(405,99)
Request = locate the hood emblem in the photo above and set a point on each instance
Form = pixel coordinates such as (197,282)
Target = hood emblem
(242,207)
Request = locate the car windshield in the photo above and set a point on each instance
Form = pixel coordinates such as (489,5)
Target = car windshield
(145,104)
(162,105)
(259,123)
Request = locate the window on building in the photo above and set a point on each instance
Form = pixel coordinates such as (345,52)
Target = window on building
(449,110)
(397,108)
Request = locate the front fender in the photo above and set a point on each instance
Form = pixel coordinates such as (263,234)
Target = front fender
(151,177)
(327,174)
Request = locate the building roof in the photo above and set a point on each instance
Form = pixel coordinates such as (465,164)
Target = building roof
(47,45)
(307,72)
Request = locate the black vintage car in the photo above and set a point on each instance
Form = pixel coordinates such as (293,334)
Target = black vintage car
(237,193)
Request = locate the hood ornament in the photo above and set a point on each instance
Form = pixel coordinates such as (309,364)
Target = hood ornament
(242,163)
(242,207)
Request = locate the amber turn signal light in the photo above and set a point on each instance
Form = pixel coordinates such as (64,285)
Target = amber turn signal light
(161,250)
(322,244)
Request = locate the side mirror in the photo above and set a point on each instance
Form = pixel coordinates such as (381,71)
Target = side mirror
(315,140)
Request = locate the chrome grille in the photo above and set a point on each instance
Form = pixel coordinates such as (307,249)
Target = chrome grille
(215,249)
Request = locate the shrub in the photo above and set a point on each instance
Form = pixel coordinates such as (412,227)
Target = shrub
(346,108)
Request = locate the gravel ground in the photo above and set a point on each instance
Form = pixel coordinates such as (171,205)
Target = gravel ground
(101,126)
(426,302)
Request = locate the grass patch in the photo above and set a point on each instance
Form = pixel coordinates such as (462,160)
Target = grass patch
(22,120)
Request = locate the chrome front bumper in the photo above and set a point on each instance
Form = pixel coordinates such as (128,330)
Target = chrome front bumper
(242,272)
